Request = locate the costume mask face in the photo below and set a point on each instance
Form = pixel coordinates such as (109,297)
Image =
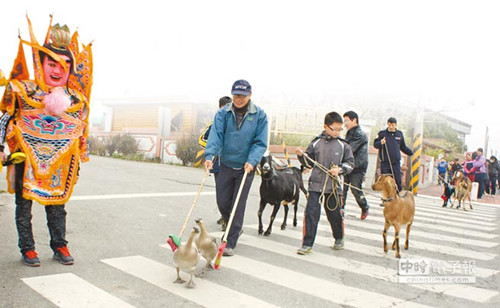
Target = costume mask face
(53,72)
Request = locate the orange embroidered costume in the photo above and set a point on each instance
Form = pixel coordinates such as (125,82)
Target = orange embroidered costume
(47,119)
(53,144)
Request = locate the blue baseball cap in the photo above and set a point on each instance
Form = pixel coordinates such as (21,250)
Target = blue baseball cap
(241,87)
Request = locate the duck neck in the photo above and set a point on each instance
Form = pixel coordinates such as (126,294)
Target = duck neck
(190,240)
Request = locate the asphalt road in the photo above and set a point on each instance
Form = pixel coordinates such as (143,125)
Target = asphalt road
(122,212)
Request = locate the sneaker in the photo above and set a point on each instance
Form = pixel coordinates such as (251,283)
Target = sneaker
(304,250)
(30,258)
(62,255)
(364,214)
(228,252)
(339,244)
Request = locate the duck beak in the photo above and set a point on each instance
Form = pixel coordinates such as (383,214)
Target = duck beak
(196,230)
(197,220)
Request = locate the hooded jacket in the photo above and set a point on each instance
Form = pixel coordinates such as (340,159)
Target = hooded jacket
(327,151)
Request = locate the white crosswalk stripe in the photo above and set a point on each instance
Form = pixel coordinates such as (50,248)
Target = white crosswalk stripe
(438,234)
(69,290)
(207,293)
(366,249)
(361,268)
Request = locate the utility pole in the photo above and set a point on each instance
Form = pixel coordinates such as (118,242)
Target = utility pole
(486,141)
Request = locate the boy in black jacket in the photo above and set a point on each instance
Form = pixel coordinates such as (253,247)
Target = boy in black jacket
(330,157)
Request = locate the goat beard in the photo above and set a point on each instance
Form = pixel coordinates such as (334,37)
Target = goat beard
(56,102)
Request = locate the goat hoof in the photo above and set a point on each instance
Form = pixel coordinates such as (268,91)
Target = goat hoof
(398,256)
(267,233)
(179,280)
(295,224)
(283,227)
(261,231)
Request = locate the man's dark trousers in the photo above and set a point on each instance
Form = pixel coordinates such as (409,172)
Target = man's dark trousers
(227,185)
(395,171)
(355,178)
(56,218)
(332,206)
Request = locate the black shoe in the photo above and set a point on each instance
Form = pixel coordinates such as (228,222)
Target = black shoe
(62,255)
(30,258)
(223,225)
(219,221)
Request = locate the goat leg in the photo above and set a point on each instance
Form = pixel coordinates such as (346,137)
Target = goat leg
(276,207)
(396,240)
(384,235)
(259,214)
(407,242)
(295,205)
(283,225)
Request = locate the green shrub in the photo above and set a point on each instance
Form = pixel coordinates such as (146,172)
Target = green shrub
(127,145)
(186,148)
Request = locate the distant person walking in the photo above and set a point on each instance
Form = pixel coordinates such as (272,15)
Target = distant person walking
(390,142)
(481,171)
(442,167)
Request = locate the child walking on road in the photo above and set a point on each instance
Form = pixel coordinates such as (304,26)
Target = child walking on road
(327,153)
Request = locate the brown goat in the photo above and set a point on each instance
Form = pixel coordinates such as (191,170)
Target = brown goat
(462,191)
(398,210)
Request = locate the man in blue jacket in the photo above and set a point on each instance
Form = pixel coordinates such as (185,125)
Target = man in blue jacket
(239,136)
(390,142)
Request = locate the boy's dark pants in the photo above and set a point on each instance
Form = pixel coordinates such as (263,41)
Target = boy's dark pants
(335,217)
(227,185)
(56,218)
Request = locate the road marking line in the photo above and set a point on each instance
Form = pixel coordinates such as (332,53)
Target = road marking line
(438,224)
(448,211)
(466,253)
(205,293)
(366,249)
(459,240)
(448,218)
(144,195)
(69,290)
(334,292)
(361,268)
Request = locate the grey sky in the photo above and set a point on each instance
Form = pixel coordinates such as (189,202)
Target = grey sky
(444,54)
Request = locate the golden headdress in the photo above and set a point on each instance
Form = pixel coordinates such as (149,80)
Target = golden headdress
(57,38)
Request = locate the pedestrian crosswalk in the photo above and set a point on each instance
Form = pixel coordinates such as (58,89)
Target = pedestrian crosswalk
(267,271)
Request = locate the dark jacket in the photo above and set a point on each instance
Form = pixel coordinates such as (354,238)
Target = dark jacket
(327,151)
(395,143)
(493,169)
(358,140)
